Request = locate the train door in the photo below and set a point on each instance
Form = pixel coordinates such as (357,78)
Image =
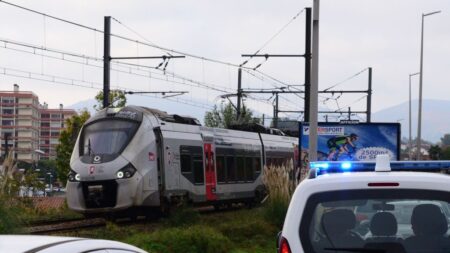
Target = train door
(210,172)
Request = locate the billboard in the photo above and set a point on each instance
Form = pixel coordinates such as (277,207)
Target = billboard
(352,141)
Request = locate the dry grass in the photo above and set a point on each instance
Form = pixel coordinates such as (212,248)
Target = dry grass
(279,181)
(280,184)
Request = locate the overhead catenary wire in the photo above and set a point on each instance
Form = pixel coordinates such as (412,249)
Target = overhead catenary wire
(136,41)
(274,36)
(81,83)
(346,79)
(87,58)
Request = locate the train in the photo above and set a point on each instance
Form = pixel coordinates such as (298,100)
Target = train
(141,160)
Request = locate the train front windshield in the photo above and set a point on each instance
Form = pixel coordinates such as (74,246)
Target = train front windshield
(107,137)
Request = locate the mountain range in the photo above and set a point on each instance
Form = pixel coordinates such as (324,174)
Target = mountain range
(435,114)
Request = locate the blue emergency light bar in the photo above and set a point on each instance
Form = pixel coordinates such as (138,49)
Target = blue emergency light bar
(326,167)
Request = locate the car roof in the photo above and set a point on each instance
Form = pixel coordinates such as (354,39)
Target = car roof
(360,180)
(50,244)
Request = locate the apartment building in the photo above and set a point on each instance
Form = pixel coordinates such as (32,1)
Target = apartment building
(51,124)
(23,130)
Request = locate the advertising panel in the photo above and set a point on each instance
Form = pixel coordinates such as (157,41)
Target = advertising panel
(352,142)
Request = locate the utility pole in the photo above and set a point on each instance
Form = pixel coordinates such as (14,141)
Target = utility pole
(349,113)
(307,57)
(275,112)
(239,95)
(307,64)
(106,61)
(369,97)
(313,110)
(419,127)
(410,120)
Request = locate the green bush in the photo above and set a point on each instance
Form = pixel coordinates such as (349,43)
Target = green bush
(188,240)
(183,216)
(275,211)
(8,217)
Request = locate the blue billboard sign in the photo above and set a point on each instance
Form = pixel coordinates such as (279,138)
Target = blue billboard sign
(352,142)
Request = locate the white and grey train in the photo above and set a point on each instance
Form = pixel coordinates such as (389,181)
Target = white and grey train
(136,158)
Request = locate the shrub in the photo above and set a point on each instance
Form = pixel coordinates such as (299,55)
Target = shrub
(191,240)
(183,215)
(8,217)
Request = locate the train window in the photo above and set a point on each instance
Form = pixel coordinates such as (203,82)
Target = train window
(240,169)
(231,169)
(220,165)
(198,169)
(248,169)
(186,164)
(257,164)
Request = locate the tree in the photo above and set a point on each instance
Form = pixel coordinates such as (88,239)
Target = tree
(66,144)
(446,154)
(117,98)
(435,152)
(225,116)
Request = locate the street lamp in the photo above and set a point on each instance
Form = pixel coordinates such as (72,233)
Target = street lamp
(410,140)
(419,128)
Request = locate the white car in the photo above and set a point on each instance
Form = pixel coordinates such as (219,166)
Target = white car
(364,206)
(56,244)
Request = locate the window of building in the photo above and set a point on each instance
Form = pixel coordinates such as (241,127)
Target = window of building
(45,124)
(7,122)
(8,111)
(54,134)
(55,124)
(55,116)
(45,115)
(8,100)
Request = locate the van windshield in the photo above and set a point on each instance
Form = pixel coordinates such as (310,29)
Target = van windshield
(107,137)
(384,221)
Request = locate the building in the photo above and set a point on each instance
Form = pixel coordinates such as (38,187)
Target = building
(23,130)
(51,124)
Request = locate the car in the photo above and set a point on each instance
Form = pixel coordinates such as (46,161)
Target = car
(56,244)
(382,206)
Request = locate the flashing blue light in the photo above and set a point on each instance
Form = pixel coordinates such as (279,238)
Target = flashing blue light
(360,166)
(320,165)
(346,165)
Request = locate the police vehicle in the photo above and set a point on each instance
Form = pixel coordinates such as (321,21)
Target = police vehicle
(380,206)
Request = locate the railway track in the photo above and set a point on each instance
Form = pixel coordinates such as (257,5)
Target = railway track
(66,225)
(54,226)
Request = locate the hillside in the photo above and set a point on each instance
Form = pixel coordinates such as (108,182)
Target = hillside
(435,118)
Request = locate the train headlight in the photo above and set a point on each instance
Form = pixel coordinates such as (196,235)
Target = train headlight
(73,176)
(126,172)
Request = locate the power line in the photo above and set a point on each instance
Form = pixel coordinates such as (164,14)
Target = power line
(275,35)
(134,41)
(117,63)
(81,83)
(346,79)
(50,16)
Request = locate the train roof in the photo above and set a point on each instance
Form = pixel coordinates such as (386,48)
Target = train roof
(136,112)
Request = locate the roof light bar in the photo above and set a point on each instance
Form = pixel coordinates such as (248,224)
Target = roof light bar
(358,166)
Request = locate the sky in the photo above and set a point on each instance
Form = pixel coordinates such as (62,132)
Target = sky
(354,35)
